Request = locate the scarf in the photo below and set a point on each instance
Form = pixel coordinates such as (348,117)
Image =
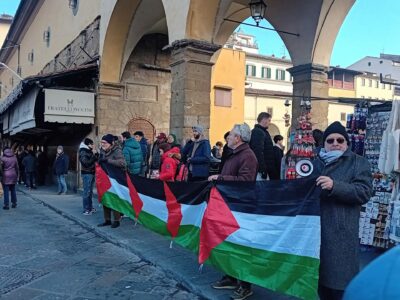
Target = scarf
(331,156)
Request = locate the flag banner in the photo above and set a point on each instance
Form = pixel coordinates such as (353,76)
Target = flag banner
(264,232)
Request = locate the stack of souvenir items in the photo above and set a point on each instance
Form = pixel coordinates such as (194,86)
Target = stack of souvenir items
(302,148)
(355,126)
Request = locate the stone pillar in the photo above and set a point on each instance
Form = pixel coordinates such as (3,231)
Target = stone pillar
(191,83)
(310,80)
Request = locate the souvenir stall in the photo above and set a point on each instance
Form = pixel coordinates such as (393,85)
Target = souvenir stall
(371,138)
(298,161)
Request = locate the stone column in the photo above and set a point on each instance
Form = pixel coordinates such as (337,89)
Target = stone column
(191,83)
(310,80)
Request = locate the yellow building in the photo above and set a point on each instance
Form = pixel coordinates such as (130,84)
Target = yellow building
(368,86)
(227,92)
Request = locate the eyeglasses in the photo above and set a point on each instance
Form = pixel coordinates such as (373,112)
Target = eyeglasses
(339,140)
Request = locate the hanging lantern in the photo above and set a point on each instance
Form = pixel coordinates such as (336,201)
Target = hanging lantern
(257,8)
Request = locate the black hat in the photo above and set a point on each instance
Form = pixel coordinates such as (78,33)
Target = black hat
(109,138)
(88,141)
(336,127)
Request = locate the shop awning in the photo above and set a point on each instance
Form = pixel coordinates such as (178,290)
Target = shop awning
(65,106)
(22,116)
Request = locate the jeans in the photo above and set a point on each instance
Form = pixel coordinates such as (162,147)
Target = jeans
(30,179)
(326,293)
(62,185)
(7,188)
(88,182)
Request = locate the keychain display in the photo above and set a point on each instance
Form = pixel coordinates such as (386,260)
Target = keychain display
(302,147)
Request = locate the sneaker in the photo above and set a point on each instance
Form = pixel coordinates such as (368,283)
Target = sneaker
(5,207)
(115,224)
(106,223)
(87,213)
(59,193)
(241,293)
(93,210)
(225,283)
(64,193)
(14,205)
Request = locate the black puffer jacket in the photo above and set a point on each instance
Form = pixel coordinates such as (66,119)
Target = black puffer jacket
(261,144)
(87,159)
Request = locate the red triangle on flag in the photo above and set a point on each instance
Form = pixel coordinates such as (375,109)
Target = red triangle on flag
(174,212)
(137,203)
(217,224)
(103,183)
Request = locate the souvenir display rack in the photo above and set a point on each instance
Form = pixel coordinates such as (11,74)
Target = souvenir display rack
(302,149)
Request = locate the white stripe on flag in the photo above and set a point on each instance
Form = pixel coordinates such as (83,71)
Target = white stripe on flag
(299,235)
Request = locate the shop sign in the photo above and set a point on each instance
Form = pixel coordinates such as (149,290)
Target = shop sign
(62,106)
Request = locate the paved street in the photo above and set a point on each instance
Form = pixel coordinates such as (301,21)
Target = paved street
(46,256)
(49,250)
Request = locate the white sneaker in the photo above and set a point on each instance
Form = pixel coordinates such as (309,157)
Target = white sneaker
(87,213)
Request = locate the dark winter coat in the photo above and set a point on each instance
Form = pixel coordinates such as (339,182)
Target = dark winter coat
(114,157)
(155,157)
(87,159)
(261,144)
(133,156)
(61,164)
(144,147)
(226,151)
(241,165)
(278,155)
(29,162)
(10,167)
(340,213)
(199,163)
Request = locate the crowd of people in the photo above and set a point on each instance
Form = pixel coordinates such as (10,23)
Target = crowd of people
(248,155)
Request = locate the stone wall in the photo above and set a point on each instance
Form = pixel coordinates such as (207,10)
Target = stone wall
(144,91)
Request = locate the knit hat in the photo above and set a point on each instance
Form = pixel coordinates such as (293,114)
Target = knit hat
(88,141)
(165,147)
(336,127)
(198,128)
(109,138)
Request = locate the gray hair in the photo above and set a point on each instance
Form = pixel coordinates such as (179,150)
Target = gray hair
(242,130)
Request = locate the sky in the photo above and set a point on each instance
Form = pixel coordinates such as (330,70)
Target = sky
(371,27)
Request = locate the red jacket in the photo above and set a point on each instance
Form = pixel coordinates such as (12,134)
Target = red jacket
(169,164)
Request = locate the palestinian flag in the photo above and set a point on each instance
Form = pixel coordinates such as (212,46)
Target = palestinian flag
(266,233)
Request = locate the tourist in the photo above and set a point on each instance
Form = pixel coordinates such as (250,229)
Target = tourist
(132,153)
(60,169)
(10,175)
(88,157)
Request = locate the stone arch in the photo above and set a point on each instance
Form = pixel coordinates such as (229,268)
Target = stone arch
(273,130)
(129,22)
(144,125)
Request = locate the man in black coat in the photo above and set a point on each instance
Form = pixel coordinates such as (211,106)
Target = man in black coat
(261,144)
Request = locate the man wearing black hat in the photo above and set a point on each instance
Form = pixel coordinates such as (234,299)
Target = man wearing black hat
(111,154)
(346,183)
(87,157)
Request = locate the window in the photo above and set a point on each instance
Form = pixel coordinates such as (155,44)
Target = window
(342,116)
(74,6)
(363,81)
(266,72)
(383,86)
(280,74)
(223,97)
(389,86)
(31,57)
(377,84)
(250,70)
(370,83)
(46,37)
(270,110)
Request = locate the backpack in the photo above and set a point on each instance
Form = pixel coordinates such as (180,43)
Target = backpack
(182,172)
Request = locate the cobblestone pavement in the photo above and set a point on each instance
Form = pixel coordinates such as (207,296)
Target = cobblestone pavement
(46,256)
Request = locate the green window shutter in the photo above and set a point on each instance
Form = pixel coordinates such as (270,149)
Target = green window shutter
(283,74)
(268,72)
(247,70)
(254,71)
(277,74)
(262,72)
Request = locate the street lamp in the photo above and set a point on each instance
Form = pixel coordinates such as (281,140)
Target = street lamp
(257,8)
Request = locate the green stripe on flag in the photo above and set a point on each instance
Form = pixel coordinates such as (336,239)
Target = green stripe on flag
(286,273)
(188,235)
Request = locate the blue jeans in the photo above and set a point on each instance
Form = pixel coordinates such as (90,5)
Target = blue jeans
(62,185)
(7,188)
(88,182)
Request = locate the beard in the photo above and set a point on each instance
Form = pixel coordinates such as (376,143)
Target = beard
(197,136)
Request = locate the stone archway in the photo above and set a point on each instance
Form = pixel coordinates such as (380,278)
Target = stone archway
(273,130)
(141,124)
